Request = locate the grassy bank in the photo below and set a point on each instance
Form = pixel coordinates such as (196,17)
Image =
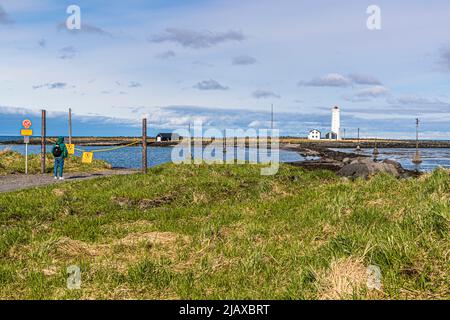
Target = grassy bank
(220,232)
(13,163)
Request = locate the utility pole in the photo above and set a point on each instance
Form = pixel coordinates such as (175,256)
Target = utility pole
(43,138)
(417,160)
(358,147)
(376,153)
(70,126)
(144,146)
(271,119)
(26,154)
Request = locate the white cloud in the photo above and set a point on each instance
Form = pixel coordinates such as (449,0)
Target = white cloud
(5,19)
(373,92)
(67,53)
(358,78)
(197,39)
(86,28)
(243,60)
(53,85)
(444,59)
(166,55)
(210,85)
(265,94)
(329,80)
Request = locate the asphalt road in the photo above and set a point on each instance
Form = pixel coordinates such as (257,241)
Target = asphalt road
(20,181)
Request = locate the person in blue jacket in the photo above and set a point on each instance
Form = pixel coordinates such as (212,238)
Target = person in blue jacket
(60,153)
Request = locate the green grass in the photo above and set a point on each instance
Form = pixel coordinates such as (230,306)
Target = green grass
(13,163)
(225,232)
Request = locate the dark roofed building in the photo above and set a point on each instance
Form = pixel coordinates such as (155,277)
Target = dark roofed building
(164,137)
(331,136)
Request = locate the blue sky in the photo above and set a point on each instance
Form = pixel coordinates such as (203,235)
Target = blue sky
(226,62)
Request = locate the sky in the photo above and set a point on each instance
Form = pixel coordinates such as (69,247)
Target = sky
(225,62)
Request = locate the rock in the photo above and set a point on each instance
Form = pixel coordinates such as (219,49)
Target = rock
(365,160)
(322,164)
(366,167)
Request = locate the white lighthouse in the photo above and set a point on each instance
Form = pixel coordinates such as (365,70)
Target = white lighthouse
(336,122)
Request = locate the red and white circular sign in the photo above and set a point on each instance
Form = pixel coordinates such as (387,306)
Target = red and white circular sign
(26,124)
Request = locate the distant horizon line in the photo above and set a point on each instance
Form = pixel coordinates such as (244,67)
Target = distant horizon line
(281,137)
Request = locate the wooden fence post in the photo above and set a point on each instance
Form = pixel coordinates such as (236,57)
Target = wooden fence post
(43,140)
(144,146)
(70,126)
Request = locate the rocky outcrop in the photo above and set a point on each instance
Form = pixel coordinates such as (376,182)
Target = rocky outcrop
(350,165)
(366,167)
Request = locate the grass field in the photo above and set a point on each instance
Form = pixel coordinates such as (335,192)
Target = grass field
(225,232)
(13,162)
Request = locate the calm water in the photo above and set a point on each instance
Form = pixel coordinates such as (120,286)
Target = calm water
(432,158)
(130,157)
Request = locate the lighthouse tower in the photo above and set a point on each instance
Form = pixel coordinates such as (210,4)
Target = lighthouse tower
(336,122)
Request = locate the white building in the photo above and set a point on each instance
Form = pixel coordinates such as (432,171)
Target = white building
(314,135)
(336,122)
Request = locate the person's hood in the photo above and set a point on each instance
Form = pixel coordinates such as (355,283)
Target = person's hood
(60,140)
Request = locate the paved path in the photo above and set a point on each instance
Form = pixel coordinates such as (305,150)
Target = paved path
(20,181)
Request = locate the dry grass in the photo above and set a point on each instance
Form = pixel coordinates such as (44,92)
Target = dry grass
(66,247)
(345,279)
(12,162)
(234,236)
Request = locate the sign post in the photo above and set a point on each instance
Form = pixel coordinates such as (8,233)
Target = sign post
(70,149)
(144,146)
(43,139)
(26,140)
(87,157)
(26,132)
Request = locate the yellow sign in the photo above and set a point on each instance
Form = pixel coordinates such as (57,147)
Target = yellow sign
(70,148)
(87,157)
(26,132)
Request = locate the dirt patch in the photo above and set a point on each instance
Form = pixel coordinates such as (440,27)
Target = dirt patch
(237,229)
(58,192)
(50,271)
(68,248)
(199,197)
(344,278)
(277,191)
(127,227)
(150,238)
(144,204)
(122,201)
(328,231)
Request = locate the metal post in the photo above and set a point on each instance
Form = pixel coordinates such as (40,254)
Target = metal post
(358,147)
(417,134)
(417,159)
(26,157)
(271,120)
(376,153)
(43,136)
(70,126)
(144,146)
